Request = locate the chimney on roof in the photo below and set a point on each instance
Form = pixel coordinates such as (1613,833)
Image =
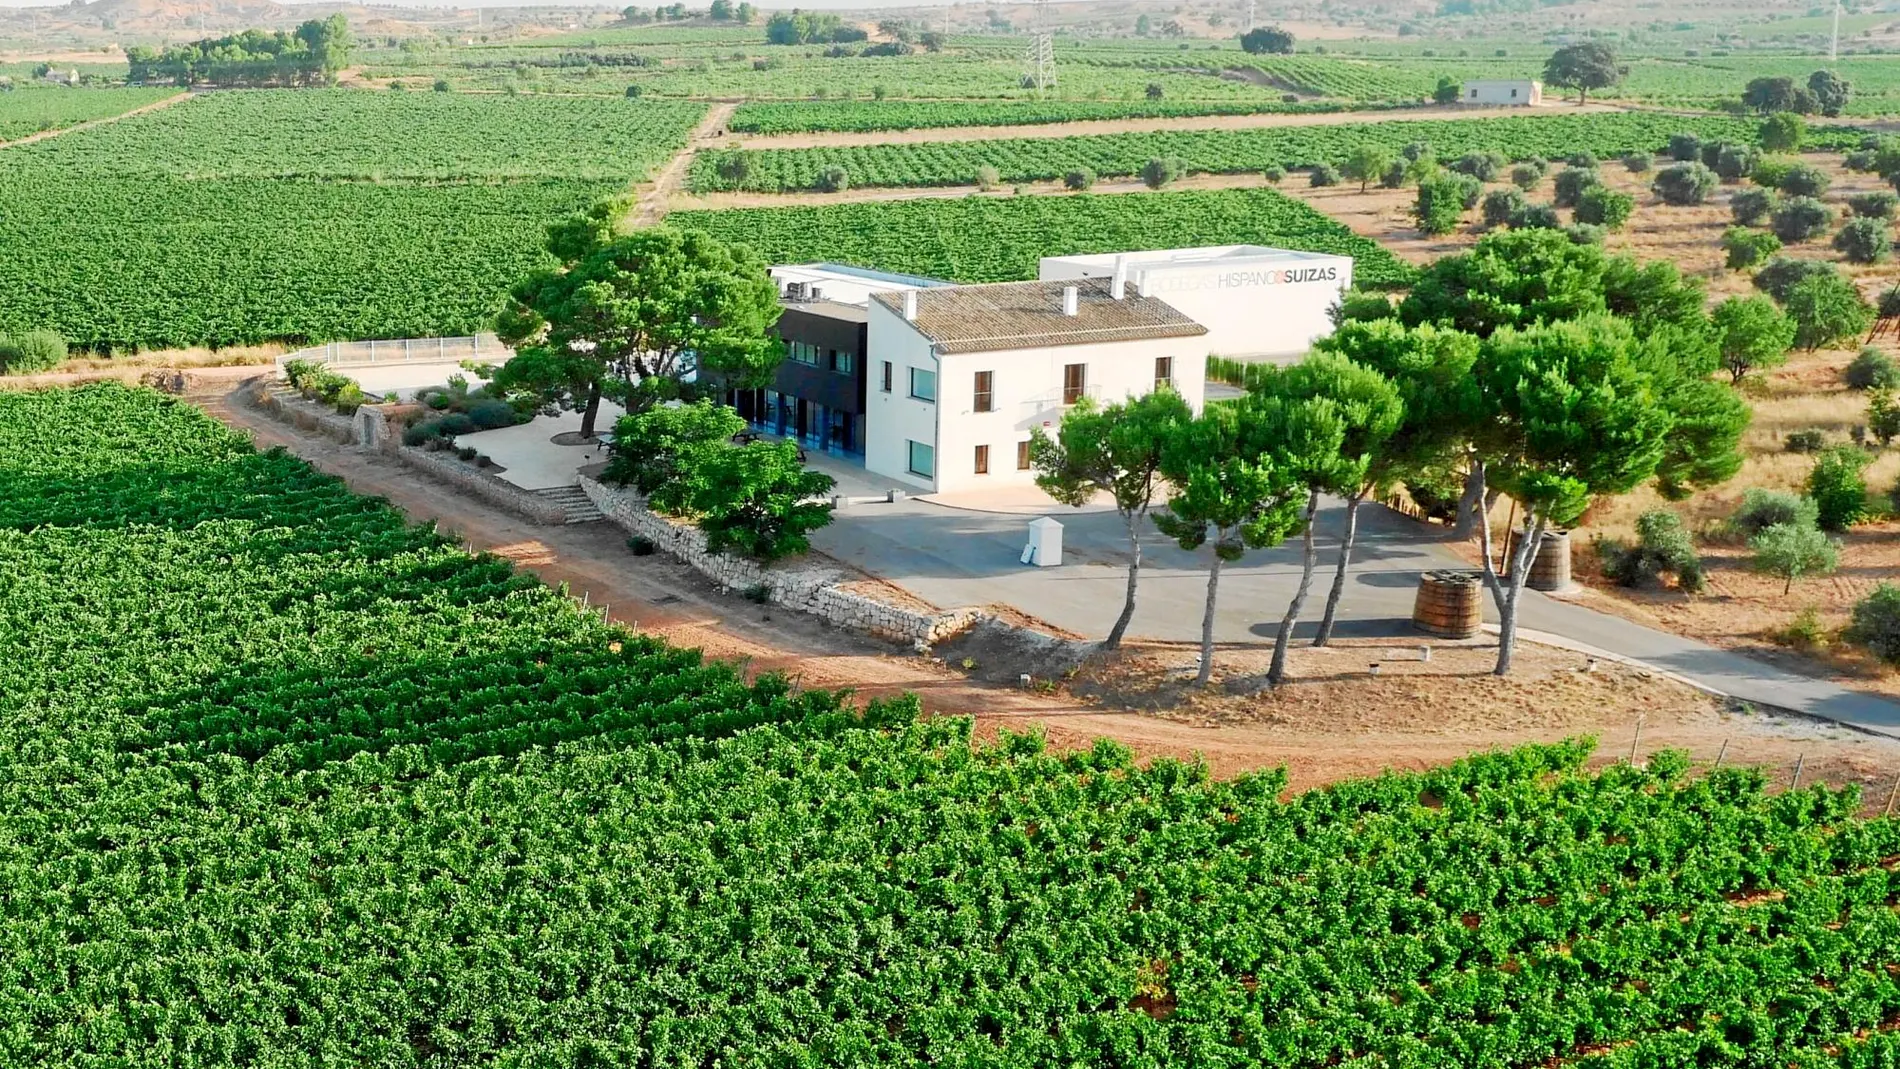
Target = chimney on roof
(910,306)
(813,293)
(1071,300)
(1119,287)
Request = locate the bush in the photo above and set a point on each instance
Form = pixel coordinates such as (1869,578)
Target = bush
(1826,309)
(1804,632)
(1396,174)
(1876,623)
(1783,274)
(1586,234)
(1750,206)
(1502,205)
(1838,490)
(1469,190)
(1804,181)
(1534,216)
(1584,158)
(1571,182)
(1746,248)
(1883,416)
(1662,545)
(456,423)
(1323,175)
(1273,173)
(1439,207)
(421,433)
(1889,304)
(1415,151)
(988,177)
(1864,241)
(1762,509)
(1685,184)
(1639,162)
(1801,219)
(1082,178)
(832,179)
(1812,440)
(1605,207)
(1769,172)
(441,85)
(1685,148)
(1483,166)
(1783,132)
(1526,178)
(32,352)
(1735,162)
(1792,550)
(1876,205)
(1161,171)
(1861,161)
(1872,370)
(488,415)
(467,452)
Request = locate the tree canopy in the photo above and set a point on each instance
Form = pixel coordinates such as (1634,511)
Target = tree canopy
(310,55)
(1583,67)
(1267,40)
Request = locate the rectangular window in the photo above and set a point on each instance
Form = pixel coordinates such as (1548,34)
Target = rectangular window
(844,361)
(803,353)
(923,384)
(1022,456)
(985,396)
(923,460)
(1075,382)
(982,460)
(887,376)
(1164,371)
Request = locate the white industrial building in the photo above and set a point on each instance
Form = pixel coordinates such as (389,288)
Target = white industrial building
(961,375)
(1503,92)
(1256,302)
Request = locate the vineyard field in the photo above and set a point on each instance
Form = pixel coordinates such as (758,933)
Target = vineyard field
(29,111)
(355,134)
(116,263)
(287,782)
(868,116)
(999,240)
(1218,151)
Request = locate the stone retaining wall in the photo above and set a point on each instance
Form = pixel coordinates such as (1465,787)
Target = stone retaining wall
(796,585)
(302,414)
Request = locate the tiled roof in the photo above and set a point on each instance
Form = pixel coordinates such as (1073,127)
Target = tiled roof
(1028,315)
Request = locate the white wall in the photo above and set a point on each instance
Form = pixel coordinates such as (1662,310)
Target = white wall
(1248,308)
(893,419)
(1494,92)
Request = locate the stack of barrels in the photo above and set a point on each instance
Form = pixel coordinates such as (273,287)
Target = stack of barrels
(1448,604)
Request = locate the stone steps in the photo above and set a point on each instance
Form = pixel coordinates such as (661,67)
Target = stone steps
(573,501)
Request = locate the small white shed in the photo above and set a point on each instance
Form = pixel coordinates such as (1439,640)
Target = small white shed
(1506,92)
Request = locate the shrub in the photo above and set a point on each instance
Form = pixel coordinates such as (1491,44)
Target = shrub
(734,167)
(1783,274)
(1273,173)
(34,351)
(1586,234)
(988,177)
(1571,182)
(1812,440)
(467,452)
(1584,158)
(1533,216)
(1605,207)
(1801,219)
(1639,162)
(1883,415)
(1483,166)
(441,85)
(488,415)
(1872,370)
(1662,545)
(1783,132)
(1396,174)
(1439,208)
(1762,509)
(1861,160)
(1684,184)
(1804,632)
(833,179)
(1323,175)
(1082,178)
(1838,490)
(757,500)
(1791,550)
(1735,162)
(456,423)
(1804,181)
(1417,150)
(1877,205)
(1685,147)
(1875,623)
(1469,190)
(1864,241)
(1826,309)
(1889,304)
(1161,171)
(1526,178)
(1750,206)
(1768,173)
(1746,248)
(1502,205)
(421,433)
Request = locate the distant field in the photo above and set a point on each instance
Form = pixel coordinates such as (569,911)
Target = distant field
(868,116)
(29,111)
(1218,151)
(1000,239)
(275,133)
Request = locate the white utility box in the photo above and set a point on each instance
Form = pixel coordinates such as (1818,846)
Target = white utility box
(1045,543)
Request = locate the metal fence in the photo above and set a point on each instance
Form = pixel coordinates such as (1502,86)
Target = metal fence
(484,347)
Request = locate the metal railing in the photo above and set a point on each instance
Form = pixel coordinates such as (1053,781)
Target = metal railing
(485,347)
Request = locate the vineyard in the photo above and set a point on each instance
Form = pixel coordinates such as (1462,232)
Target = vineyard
(30,111)
(866,116)
(1216,151)
(289,783)
(998,240)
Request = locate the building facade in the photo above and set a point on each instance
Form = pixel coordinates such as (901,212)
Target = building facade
(1503,92)
(960,377)
(1257,303)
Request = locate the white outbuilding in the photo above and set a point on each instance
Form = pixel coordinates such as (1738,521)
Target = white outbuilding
(1503,92)
(1256,302)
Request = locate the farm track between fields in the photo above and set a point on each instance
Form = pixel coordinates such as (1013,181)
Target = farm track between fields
(140,110)
(654,195)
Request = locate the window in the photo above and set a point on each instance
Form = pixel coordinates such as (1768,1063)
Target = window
(1513,94)
(923,460)
(982,460)
(1022,456)
(803,353)
(1075,382)
(843,361)
(1164,371)
(985,395)
(923,384)
(1474,94)
(887,376)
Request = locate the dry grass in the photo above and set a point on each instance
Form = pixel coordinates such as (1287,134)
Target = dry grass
(233,356)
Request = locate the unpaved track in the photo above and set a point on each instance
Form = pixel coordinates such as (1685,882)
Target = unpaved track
(841,139)
(661,596)
(140,110)
(654,194)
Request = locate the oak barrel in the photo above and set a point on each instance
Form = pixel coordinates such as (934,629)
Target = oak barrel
(1448,604)
(1550,569)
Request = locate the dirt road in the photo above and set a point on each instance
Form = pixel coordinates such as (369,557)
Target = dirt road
(654,195)
(44,134)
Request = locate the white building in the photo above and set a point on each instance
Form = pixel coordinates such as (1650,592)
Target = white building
(960,375)
(1256,302)
(1507,92)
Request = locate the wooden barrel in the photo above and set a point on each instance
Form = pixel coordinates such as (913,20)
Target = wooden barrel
(1448,604)
(1550,569)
